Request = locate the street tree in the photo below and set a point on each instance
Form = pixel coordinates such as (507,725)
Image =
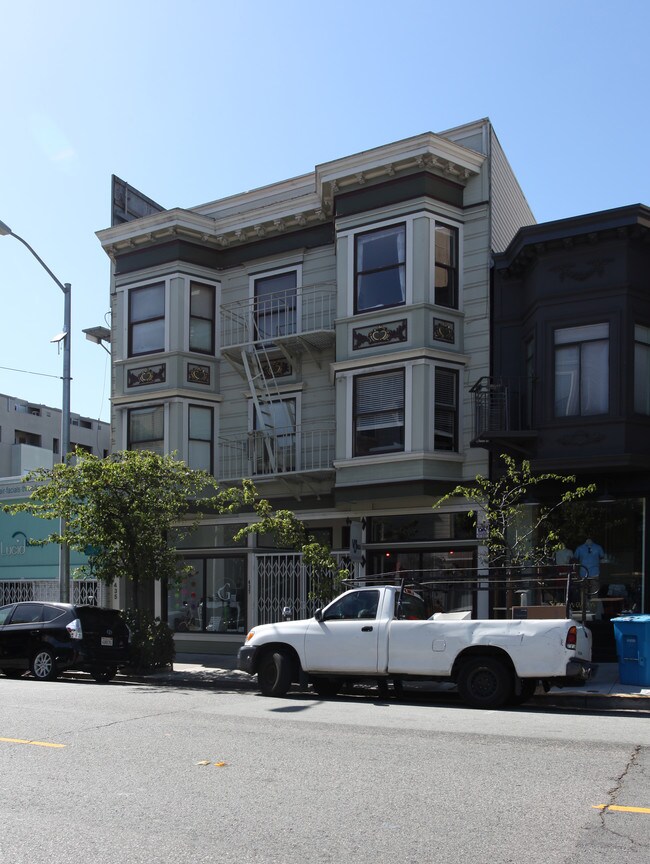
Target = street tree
(516,534)
(127,511)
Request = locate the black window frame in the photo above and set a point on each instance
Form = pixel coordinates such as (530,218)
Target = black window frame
(358,451)
(451,269)
(141,409)
(133,323)
(212,320)
(359,274)
(210,440)
(441,408)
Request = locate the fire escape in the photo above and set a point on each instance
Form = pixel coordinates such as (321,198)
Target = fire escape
(265,340)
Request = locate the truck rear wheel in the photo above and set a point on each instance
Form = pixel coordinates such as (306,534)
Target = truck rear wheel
(485,682)
(274,674)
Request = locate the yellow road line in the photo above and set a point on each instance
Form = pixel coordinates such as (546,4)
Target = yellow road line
(34,743)
(622,809)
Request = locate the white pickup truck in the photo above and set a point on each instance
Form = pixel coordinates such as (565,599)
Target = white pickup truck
(382,633)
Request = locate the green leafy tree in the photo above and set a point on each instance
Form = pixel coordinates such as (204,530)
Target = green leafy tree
(121,510)
(516,534)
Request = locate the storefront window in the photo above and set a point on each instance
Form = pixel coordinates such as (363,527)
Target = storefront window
(606,539)
(212,599)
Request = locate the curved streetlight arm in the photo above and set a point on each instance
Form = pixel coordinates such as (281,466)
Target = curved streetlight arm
(64,549)
(5,230)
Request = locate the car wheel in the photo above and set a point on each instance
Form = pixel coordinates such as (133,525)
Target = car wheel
(528,687)
(485,682)
(104,674)
(44,665)
(13,673)
(274,674)
(327,687)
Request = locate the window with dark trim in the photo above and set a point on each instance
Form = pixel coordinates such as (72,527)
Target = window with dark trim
(147,319)
(446,410)
(446,279)
(378,421)
(380,268)
(146,429)
(200,438)
(582,370)
(202,330)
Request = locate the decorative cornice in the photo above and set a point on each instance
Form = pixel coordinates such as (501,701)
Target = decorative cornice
(302,201)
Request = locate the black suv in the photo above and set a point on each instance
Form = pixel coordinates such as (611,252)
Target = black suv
(48,638)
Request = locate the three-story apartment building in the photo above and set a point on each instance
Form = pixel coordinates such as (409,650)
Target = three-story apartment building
(321,336)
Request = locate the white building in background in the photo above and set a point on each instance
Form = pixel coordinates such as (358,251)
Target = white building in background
(30,437)
(320,335)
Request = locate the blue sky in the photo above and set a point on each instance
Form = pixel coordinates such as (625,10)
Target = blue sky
(193,101)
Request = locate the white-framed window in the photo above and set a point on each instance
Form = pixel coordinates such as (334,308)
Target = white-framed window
(276,303)
(380,268)
(146,429)
(146,319)
(582,370)
(200,438)
(445,434)
(378,414)
(202,318)
(641,369)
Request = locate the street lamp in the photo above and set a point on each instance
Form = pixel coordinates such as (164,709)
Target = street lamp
(64,336)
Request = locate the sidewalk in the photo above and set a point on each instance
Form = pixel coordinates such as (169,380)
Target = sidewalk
(219,671)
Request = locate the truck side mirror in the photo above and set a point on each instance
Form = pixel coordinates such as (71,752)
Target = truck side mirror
(318,614)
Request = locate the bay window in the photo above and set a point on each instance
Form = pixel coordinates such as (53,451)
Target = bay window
(147,319)
(378,421)
(380,268)
(146,429)
(202,333)
(582,370)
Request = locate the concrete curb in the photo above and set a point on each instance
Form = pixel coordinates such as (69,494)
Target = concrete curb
(230,680)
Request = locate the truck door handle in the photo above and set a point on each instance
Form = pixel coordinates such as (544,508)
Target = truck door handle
(367,629)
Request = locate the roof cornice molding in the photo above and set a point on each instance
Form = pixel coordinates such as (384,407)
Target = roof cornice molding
(532,241)
(423,152)
(292,204)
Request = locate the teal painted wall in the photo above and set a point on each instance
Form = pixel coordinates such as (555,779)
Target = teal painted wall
(19,560)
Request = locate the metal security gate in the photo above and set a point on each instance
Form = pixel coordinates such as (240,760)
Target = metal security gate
(280,581)
(87,592)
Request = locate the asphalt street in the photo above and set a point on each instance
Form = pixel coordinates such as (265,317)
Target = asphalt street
(147,773)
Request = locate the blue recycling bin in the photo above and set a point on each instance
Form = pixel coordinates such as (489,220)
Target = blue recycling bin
(632,634)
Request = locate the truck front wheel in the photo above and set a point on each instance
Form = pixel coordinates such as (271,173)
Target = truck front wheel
(274,673)
(485,682)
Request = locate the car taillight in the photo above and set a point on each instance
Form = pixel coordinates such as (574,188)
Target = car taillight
(74,629)
(572,638)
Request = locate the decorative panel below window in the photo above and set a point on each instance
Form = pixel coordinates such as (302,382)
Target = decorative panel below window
(379,334)
(198,374)
(147,375)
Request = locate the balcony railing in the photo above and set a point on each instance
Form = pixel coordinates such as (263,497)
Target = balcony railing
(284,314)
(502,406)
(267,453)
